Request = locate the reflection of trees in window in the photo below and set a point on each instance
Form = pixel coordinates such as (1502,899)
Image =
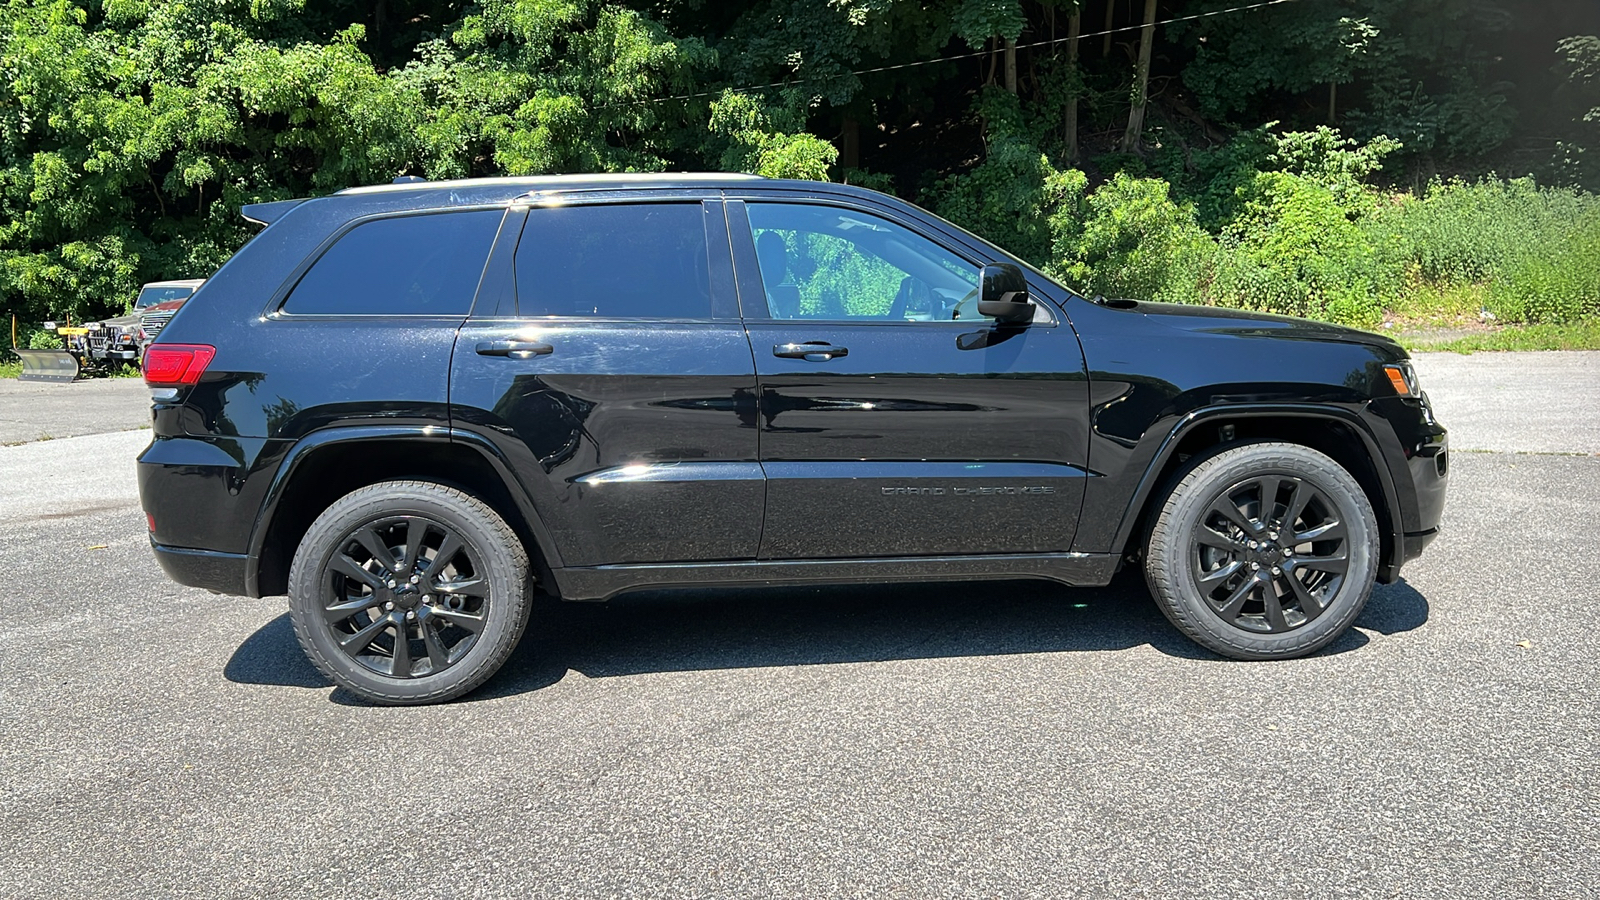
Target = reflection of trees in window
(836,277)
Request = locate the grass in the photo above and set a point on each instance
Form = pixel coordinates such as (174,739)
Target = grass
(1574,336)
(10,368)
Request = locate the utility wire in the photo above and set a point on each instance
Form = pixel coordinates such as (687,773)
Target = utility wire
(943,59)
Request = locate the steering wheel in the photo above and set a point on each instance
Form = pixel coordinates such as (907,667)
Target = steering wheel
(960,310)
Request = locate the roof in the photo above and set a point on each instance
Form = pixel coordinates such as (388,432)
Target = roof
(181,282)
(563,182)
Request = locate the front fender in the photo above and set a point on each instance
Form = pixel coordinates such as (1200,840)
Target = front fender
(1163,443)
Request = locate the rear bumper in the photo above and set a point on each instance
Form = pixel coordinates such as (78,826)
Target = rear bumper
(221,573)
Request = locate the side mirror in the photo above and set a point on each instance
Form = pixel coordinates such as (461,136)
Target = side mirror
(1003,294)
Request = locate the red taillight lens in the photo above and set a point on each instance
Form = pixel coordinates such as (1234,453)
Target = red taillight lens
(171,365)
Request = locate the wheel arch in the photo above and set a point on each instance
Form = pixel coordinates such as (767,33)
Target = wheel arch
(325,465)
(1336,432)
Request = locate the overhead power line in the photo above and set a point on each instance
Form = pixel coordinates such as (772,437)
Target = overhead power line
(959,56)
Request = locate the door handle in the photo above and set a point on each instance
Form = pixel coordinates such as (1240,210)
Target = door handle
(514,349)
(810,351)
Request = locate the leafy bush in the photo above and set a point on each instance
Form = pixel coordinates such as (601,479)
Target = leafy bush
(1471,232)
(42,340)
(1135,242)
(1552,282)
(1292,250)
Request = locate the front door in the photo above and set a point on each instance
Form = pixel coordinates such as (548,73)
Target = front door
(896,421)
(616,377)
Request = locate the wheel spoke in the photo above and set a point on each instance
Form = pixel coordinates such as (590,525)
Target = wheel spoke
(1273,607)
(466,587)
(1235,602)
(437,655)
(465,621)
(1226,508)
(368,538)
(1327,531)
(416,529)
(338,612)
(1336,563)
(1210,580)
(355,643)
(448,548)
(348,567)
(1269,499)
(1309,605)
(1297,504)
(400,665)
(1210,537)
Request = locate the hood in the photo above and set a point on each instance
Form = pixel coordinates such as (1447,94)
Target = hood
(164,305)
(1243,323)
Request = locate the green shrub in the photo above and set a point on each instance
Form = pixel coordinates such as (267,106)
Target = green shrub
(1552,281)
(1471,232)
(1134,241)
(1004,198)
(1292,250)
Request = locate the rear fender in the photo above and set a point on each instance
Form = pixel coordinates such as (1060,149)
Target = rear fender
(307,447)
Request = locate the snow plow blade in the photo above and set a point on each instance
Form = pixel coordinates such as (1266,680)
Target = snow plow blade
(57,366)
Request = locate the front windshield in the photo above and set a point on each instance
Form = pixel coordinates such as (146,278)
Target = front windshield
(150,296)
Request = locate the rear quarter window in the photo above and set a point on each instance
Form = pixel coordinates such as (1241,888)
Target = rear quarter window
(422,265)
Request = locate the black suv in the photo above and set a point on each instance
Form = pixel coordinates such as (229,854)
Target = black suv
(406,406)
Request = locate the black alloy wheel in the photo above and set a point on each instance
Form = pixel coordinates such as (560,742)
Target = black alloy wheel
(409,592)
(404,597)
(1263,550)
(1270,553)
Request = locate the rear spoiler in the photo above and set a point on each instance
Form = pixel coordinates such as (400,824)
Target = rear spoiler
(267,213)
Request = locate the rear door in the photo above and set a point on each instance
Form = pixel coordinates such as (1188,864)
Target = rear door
(895,420)
(607,361)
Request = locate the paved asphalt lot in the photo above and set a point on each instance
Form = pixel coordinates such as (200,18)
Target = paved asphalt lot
(1005,740)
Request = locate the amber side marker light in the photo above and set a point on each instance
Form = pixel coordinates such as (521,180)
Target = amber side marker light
(1402,379)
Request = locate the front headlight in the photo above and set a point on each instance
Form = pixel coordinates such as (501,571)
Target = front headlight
(1403,378)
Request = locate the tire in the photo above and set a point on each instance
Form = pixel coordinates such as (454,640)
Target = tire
(1238,583)
(414,558)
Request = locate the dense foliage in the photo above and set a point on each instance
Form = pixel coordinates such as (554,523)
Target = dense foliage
(132,130)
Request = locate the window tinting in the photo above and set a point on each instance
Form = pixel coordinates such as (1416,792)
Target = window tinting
(632,261)
(408,266)
(821,262)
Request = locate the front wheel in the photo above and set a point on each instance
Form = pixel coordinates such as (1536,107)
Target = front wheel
(407,592)
(1263,551)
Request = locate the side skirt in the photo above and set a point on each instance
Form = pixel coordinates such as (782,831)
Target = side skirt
(590,583)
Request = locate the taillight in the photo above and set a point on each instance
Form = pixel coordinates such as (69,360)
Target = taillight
(174,365)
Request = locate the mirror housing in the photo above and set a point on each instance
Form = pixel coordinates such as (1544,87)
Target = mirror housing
(1003,294)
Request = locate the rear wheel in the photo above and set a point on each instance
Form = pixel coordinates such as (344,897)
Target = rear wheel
(409,592)
(1263,551)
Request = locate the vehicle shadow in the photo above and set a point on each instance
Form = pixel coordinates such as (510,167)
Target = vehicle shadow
(733,628)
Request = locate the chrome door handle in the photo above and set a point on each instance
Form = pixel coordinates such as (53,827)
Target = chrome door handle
(810,351)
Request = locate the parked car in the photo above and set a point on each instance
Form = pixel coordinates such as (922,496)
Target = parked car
(166,298)
(405,406)
(119,339)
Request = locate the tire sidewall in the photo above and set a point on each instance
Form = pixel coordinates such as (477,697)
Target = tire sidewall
(1172,577)
(327,535)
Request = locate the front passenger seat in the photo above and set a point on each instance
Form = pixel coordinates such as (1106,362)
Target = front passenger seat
(783,297)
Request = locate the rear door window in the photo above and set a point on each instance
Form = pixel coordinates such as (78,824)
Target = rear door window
(423,265)
(615,261)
